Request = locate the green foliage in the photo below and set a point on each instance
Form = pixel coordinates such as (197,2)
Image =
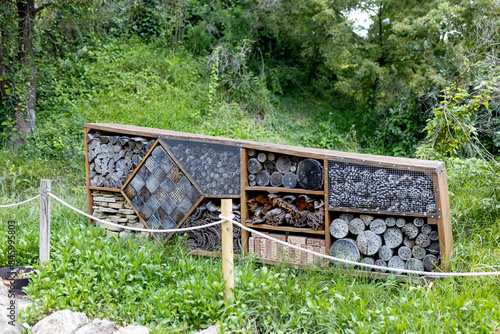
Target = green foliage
(451,131)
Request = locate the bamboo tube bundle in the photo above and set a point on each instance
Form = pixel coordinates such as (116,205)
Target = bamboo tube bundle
(215,168)
(267,169)
(378,188)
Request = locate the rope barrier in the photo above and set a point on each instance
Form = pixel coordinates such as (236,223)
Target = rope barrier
(231,219)
(16,204)
(185,229)
(365,265)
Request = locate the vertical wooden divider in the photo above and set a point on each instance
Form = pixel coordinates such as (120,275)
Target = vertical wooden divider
(44,221)
(328,239)
(227,250)
(444,221)
(243,203)
(90,199)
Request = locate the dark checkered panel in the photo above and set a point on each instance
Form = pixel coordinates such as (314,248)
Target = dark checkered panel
(160,192)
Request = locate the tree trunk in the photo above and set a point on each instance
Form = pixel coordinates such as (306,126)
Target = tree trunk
(25,110)
(3,69)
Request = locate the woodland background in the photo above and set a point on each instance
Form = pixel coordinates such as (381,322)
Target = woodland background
(421,80)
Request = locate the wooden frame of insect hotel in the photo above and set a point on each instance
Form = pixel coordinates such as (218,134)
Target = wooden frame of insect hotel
(379,210)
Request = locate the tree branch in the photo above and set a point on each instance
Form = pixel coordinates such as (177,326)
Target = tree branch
(43,6)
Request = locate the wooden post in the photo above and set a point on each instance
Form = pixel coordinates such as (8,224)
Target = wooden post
(227,250)
(44,221)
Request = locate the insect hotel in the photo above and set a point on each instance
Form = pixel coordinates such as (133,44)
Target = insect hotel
(387,211)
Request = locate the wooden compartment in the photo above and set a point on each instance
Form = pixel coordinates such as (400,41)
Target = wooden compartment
(349,183)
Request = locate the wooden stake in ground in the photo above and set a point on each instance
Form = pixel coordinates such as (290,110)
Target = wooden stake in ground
(227,250)
(44,221)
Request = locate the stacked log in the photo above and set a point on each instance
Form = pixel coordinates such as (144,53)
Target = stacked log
(210,238)
(215,168)
(113,207)
(113,158)
(287,209)
(380,189)
(413,244)
(266,169)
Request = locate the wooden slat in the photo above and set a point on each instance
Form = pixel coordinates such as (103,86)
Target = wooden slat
(113,190)
(432,221)
(387,164)
(227,250)
(444,222)
(140,164)
(403,278)
(286,190)
(328,238)
(285,228)
(44,246)
(283,149)
(244,197)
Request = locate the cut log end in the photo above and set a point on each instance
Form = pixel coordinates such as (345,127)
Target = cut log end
(254,166)
(289,180)
(385,253)
(368,242)
(393,237)
(345,249)
(339,228)
(356,226)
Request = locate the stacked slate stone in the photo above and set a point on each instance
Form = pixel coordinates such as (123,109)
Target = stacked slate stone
(113,158)
(268,169)
(113,207)
(401,243)
(215,168)
(210,238)
(380,189)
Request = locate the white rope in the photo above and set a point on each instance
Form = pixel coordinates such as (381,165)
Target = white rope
(359,264)
(134,228)
(16,204)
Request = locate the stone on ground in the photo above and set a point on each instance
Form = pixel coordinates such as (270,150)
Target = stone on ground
(61,322)
(210,330)
(5,328)
(98,326)
(133,329)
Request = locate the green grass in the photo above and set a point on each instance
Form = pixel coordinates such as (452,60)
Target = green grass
(130,280)
(127,82)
